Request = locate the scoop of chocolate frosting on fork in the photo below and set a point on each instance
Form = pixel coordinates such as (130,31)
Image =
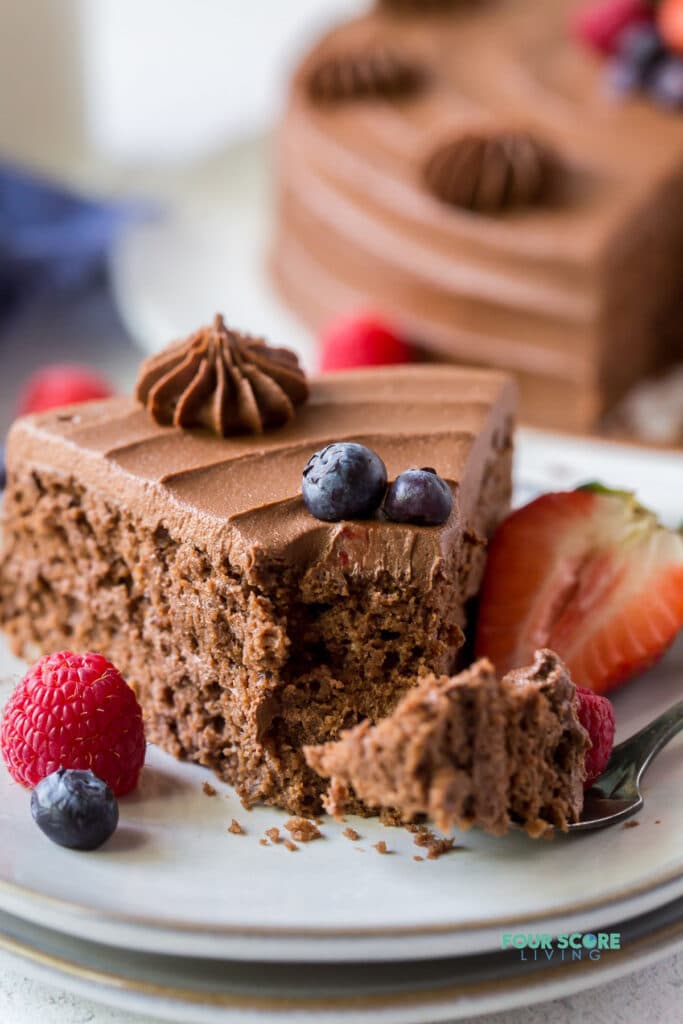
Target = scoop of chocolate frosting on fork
(223,381)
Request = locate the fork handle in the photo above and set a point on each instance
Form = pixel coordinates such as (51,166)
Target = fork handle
(638,750)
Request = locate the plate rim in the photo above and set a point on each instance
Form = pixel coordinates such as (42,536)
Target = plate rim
(540,985)
(665,888)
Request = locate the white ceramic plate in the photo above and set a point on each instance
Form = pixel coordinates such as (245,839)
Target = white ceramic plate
(208,991)
(174,881)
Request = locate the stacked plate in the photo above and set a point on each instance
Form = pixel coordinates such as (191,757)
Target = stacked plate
(178,917)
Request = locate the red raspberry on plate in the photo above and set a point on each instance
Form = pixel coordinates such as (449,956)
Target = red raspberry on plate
(597,717)
(362,340)
(74,711)
(62,384)
(600,25)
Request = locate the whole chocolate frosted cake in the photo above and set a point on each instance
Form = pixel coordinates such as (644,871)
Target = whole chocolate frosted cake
(461,167)
(249,627)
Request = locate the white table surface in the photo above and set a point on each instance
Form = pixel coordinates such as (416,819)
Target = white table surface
(90,333)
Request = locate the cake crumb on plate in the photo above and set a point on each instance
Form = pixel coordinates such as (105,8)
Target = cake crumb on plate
(303,830)
(208,789)
(436,846)
(274,835)
(350,833)
(235,828)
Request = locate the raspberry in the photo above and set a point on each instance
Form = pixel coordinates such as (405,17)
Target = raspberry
(363,340)
(74,711)
(597,717)
(62,384)
(600,25)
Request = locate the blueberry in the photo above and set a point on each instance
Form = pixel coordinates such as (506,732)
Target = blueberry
(666,83)
(419,496)
(75,809)
(344,481)
(640,46)
(622,78)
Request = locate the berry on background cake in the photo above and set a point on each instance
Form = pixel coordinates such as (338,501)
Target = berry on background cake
(362,340)
(517,202)
(170,531)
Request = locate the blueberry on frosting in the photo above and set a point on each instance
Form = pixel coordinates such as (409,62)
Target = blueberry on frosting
(344,481)
(419,496)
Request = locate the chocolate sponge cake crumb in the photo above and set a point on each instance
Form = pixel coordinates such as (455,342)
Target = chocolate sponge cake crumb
(470,750)
(208,789)
(235,828)
(302,830)
(436,846)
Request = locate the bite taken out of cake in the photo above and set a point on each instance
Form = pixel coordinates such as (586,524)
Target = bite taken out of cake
(169,532)
(474,749)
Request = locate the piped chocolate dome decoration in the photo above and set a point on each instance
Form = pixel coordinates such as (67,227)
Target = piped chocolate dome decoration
(223,381)
(374,72)
(489,173)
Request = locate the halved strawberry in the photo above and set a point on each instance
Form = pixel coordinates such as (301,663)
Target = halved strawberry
(589,573)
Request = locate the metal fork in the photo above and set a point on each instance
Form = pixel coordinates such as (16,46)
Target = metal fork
(616,795)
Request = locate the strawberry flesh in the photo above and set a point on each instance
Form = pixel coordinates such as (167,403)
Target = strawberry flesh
(590,574)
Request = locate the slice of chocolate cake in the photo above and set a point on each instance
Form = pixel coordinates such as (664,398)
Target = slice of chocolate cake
(248,627)
(469,750)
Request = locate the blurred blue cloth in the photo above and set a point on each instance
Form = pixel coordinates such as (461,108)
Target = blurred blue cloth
(50,237)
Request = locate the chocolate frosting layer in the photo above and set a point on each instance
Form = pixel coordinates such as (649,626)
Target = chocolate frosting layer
(239,497)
